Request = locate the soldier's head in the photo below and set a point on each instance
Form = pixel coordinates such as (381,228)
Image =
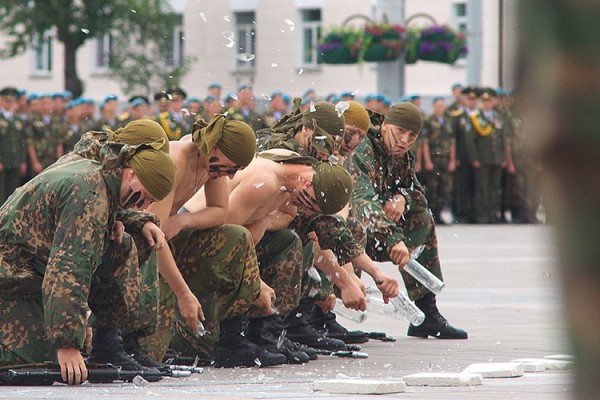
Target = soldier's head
(327,192)
(488,98)
(470,96)
(214,89)
(193,105)
(178,95)
(8,98)
(109,105)
(212,106)
(401,128)
(148,176)
(326,116)
(138,108)
(457,89)
(439,106)
(229,145)
(357,124)
(162,100)
(278,103)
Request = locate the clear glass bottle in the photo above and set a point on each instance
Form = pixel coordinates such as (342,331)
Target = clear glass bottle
(348,313)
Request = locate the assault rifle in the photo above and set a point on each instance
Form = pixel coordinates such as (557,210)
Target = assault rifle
(45,374)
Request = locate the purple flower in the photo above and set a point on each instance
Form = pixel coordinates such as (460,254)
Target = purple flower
(427,47)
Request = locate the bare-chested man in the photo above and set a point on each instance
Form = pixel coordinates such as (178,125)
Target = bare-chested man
(212,257)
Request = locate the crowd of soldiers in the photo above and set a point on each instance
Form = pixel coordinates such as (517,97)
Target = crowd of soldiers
(265,219)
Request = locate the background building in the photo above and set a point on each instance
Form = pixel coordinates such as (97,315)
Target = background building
(272,45)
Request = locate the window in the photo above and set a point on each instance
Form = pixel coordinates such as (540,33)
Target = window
(245,26)
(175,54)
(459,17)
(104,45)
(42,57)
(311,33)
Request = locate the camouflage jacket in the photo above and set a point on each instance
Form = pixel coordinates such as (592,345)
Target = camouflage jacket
(53,232)
(42,136)
(439,136)
(94,145)
(252,118)
(377,178)
(12,142)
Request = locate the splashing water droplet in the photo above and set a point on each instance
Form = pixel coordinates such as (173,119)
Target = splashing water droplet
(234,96)
(259,185)
(341,107)
(266,96)
(274,65)
(226,19)
(203,16)
(133,11)
(301,71)
(312,106)
(246,57)
(230,37)
(86,31)
(290,24)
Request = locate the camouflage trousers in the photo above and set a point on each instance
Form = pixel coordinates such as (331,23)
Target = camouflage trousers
(280,259)
(487,189)
(130,303)
(220,266)
(439,187)
(419,229)
(114,299)
(317,289)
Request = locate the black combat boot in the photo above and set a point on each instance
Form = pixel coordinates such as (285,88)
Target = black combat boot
(268,333)
(131,345)
(327,323)
(234,350)
(300,330)
(107,348)
(435,324)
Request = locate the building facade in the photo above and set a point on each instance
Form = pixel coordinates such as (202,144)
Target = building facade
(272,44)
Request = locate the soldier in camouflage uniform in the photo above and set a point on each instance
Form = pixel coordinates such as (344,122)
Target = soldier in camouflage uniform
(488,134)
(13,166)
(245,110)
(277,109)
(108,114)
(72,128)
(44,147)
(439,160)
(214,258)
(391,204)
(53,236)
(265,198)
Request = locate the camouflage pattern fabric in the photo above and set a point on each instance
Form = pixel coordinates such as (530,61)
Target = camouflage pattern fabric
(440,137)
(377,178)
(220,262)
(12,154)
(251,117)
(53,233)
(280,261)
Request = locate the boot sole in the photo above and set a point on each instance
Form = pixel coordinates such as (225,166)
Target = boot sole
(232,363)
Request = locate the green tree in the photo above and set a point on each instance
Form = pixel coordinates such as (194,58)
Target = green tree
(74,22)
(146,59)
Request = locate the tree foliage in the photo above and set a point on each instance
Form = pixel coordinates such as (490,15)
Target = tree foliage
(131,22)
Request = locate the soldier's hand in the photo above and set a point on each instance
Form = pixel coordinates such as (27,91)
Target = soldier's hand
(72,366)
(173,226)
(190,310)
(476,164)
(353,297)
(37,167)
(399,254)
(394,208)
(265,298)
(387,285)
(452,166)
(1,167)
(117,232)
(328,304)
(428,166)
(154,235)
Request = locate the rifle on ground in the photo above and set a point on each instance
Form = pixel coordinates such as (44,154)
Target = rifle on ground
(342,353)
(45,374)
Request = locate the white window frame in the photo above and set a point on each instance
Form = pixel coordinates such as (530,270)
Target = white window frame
(178,48)
(458,20)
(42,53)
(101,44)
(249,28)
(316,27)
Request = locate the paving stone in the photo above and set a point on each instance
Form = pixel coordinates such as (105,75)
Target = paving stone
(443,379)
(550,363)
(496,370)
(359,386)
(532,364)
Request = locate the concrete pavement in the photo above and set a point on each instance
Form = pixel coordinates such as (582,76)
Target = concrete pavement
(501,286)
